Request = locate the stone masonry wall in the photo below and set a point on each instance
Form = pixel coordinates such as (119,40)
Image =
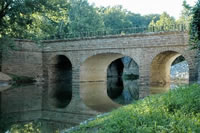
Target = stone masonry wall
(26,60)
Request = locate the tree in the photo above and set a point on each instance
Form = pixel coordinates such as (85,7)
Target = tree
(26,18)
(186,16)
(142,21)
(115,18)
(164,23)
(83,17)
(195,26)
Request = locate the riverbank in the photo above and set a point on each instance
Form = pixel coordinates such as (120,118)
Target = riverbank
(175,111)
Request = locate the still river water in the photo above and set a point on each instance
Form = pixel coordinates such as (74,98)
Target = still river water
(23,107)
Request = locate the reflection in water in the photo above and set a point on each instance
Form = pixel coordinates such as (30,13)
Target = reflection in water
(159,89)
(38,126)
(4,86)
(114,87)
(28,106)
(106,96)
(130,91)
(122,91)
(94,95)
(60,94)
(169,86)
(122,80)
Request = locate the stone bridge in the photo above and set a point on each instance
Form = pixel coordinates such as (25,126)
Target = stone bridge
(80,60)
(89,58)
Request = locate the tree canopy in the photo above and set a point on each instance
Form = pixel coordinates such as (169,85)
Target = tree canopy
(186,16)
(83,17)
(165,22)
(195,26)
(29,18)
(46,19)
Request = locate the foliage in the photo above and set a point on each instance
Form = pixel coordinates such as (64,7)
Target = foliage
(195,26)
(32,127)
(27,18)
(30,19)
(177,111)
(115,18)
(49,19)
(186,16)
(83,17)
(142,21)
(165,22)
(42,19)
(37,126)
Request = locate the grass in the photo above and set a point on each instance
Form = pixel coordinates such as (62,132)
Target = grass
(177,111)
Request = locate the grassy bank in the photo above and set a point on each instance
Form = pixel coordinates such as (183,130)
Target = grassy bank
(177,111)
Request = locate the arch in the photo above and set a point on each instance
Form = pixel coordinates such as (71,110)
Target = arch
(115,68)
(93,74)
(122,81)
(94,68)
(60,81)
(160,67)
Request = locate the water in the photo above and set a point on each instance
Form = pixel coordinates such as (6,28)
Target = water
(169,86)
(38,109)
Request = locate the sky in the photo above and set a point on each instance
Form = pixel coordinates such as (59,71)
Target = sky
(144,7)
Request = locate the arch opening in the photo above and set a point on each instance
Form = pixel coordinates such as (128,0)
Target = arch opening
(95,68)
(93,85)
(60,81)
(122,80)
(109,80)
(168,69)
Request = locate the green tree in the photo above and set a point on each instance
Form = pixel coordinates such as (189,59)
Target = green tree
(26,18)
(166,22)
(115,18)
(195,26)
(142,21)
(186,16)
(83,17)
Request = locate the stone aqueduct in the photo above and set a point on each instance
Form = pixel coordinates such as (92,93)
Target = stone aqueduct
(87,60)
